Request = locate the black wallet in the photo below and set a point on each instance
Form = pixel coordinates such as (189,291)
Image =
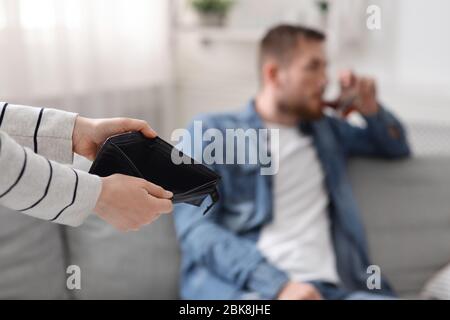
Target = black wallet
(135,155)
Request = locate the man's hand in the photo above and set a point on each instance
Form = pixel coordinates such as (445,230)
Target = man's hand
(128,203)
(299,291)
(90,134)
(358,92)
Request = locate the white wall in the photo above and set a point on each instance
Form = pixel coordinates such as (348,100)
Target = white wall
(423,47)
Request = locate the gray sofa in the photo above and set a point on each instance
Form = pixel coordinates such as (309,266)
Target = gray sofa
(406,206)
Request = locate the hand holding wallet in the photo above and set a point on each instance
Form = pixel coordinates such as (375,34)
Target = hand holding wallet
(150,159)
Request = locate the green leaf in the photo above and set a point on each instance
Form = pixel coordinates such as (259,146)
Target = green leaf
(212,6)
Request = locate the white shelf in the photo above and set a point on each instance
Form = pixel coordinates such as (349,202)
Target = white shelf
(224,34)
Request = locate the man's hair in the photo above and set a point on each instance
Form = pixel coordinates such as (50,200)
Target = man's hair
(281,41)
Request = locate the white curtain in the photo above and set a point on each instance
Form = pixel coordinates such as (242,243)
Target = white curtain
(64,49)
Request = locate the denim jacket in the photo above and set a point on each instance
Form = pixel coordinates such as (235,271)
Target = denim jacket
(220,258)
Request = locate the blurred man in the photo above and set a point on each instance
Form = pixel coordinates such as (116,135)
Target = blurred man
(295,235)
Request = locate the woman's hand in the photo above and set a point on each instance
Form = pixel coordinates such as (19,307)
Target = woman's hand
(90,134)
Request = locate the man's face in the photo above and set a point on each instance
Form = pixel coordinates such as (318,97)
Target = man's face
(302,82)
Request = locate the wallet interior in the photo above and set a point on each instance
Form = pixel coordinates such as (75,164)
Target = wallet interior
(135,155)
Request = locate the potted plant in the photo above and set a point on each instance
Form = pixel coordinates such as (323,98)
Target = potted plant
(324,9)
(212,13)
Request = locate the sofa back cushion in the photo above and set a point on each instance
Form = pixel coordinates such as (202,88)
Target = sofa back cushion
(406,211)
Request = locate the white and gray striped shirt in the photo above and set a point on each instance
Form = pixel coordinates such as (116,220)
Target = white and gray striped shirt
(31,139)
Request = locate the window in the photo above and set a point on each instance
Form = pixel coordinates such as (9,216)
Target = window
(37,14)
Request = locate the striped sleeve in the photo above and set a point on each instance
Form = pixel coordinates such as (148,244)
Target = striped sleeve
(47,132)
(42,188)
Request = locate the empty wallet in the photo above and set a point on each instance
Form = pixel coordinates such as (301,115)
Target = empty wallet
(135,155)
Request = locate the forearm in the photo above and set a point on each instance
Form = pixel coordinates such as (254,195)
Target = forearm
(388,134)
(232,257)
(44,189)
(47,132)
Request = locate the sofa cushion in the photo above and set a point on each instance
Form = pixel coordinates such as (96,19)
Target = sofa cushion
(134,265)
(32,264)
(406,212)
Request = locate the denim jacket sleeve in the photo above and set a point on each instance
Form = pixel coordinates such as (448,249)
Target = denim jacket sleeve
(236,259)
(384,136)
(231,257)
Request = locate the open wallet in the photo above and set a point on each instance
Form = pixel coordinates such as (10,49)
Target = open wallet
(133,154)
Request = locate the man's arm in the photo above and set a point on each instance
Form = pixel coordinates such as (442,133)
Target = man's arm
(234,258)
(231,257)
(384,136)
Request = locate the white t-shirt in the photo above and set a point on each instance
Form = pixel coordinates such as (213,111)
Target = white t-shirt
(298,240)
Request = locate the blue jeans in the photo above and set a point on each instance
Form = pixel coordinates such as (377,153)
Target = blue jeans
(224,290)
(333,292)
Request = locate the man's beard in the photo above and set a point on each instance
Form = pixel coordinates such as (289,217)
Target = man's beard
(301,111)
